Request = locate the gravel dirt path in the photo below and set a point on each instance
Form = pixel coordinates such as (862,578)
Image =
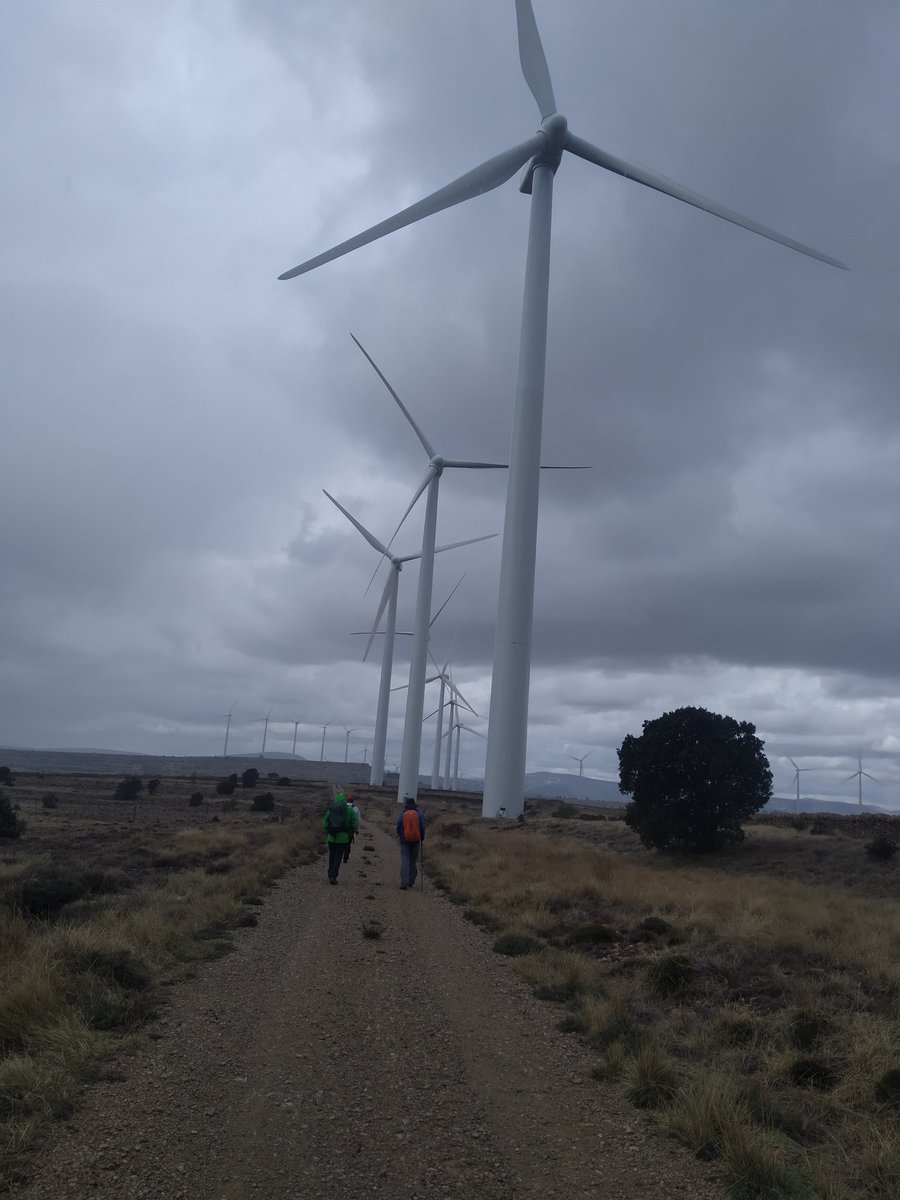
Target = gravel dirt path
(316,1062)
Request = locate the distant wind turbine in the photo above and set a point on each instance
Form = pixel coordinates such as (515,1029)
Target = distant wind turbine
(858,775)
(324,730)
(227,729)
(580,761)
(797,773)
(542,151)
(294,747)
(389,603)
(347,743)
(265,720)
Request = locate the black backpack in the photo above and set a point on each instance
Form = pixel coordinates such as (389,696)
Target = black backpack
(338,818)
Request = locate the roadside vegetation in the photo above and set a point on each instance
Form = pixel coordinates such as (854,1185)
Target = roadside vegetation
(750,999)
(101,906)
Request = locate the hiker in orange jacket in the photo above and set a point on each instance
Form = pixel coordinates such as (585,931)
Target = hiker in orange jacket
(411,832)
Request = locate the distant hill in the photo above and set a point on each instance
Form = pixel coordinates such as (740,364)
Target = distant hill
(810,804)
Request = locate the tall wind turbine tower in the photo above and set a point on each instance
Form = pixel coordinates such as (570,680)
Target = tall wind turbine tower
(858,775)
(294,747)
(324,731)
(543,152)
(227,729)
(265,720)
(797,772)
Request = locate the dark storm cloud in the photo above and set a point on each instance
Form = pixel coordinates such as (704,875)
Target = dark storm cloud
(172,412)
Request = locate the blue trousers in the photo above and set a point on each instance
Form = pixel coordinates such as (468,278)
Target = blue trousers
(409,857)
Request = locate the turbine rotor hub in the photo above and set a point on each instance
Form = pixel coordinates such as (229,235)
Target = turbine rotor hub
(554,128)
(438,462)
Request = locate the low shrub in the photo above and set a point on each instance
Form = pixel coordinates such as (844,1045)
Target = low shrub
(819,1073)
(43,893)
(881,847)
(196,800)
(887,1089)
(225,787)
(11,824)
(6,775)
(819,826)
(152,785)
(670,973)
(593,934)
(263,803)
(515,944)
(284,781)
(129,788)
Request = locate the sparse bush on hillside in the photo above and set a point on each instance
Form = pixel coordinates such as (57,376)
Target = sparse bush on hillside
(225,787)
(273,775)
(11,824)
(250,778)
(284,781)
(129,788)
(152,785)
(881,847)
(44,892)
(263,803)
(6,775)
(196,800)
(695,776)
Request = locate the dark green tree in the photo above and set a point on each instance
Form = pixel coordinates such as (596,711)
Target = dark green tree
(693,776)
(129,789)
(250,778)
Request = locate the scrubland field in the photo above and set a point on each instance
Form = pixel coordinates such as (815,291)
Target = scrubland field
(103,903)
(749,999)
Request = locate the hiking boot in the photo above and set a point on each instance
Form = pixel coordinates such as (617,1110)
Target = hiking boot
(331,879)
(402,887)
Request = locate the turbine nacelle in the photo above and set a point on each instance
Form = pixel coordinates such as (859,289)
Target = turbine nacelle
(554,128)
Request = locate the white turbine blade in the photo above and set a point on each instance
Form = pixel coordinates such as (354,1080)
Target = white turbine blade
(483,178)
(793,764)
(471,730)
(577,467)
(462,698)
(385,595)
(443,606)
(429,475)
(533,59)
(476,466)
(429,449)
(370,537)
(868,776)
(849,777)
(485,537)
(400,686)
(660,183)
(431,714)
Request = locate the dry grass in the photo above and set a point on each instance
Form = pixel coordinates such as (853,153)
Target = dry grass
(84,948)
(757,1015)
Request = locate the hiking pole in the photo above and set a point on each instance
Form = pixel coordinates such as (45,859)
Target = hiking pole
(422,865)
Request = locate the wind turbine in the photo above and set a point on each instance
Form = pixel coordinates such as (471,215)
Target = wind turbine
(347,743)
(859,775)
(265,720)
(324,730)
(580,761)
(389,603)
(294,747)
(797,772)
(411,750)
(543,151)
(227,729)
(458,726)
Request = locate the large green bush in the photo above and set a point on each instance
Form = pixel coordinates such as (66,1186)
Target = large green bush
(694,777)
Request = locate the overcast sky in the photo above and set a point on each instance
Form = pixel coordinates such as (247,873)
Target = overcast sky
(171,412)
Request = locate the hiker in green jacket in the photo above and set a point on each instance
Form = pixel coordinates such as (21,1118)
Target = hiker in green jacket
(340,823)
